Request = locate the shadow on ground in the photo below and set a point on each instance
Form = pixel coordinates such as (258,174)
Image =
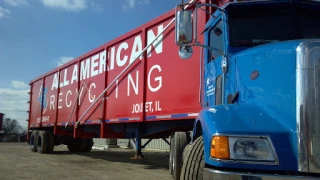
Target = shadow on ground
(151,160)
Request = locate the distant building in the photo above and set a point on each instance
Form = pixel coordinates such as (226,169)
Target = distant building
(1,118)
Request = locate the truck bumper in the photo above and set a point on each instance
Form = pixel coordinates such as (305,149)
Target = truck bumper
(211,174)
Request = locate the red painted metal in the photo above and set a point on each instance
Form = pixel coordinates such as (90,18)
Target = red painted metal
(158,85)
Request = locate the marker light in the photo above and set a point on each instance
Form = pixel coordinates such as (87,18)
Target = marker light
(220,147)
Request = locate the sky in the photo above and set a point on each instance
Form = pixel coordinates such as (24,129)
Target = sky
(37,36)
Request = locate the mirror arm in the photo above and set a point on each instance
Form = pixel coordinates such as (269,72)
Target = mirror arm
(209,47)
(209,5)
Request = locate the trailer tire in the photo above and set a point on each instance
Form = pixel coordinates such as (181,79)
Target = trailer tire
(50,142)
(193,164)
(73,147)
(42,142)
(89,145)
(84,146)
(33,141)
(179,143)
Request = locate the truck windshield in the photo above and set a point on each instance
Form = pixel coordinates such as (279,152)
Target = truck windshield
(251,26)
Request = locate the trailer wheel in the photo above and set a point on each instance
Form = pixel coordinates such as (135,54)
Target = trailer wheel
(171,151)
(33,141)
(85,145)
(42,142)
(194,161)
(50,142)
(73,147)
(179,143)
(89,145)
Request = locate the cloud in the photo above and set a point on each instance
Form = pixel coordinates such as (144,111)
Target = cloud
(67,5)
(130,4)
(19,84)
(4,13)
(14,101)
(96,7)
(16,2)
(64,59)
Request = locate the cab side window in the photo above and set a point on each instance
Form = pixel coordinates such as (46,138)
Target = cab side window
(216,40)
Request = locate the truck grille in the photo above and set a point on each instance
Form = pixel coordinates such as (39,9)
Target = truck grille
(308,106)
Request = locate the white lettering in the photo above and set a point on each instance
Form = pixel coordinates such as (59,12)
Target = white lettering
(52,98)
(94,64)
(147,106)
(65,81)
(159,78)
(157,44)
(68,105)
(94,96)
(85,69)
(55,81)
(74,74)
(60,100)
(121,62)
(112,58)
(79,100)
(135,86)
(102,65)
(136,49)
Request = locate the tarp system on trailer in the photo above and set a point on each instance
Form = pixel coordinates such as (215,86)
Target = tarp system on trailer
(159,86)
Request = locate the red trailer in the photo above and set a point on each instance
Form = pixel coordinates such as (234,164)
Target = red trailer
(135,86)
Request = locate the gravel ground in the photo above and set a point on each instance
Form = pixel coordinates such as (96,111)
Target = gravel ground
(18,162)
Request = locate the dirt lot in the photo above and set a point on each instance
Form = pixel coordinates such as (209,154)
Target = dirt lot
(18,162)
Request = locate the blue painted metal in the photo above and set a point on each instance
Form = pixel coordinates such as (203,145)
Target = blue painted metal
(172,116)
(265,106)
(145,144)
(138,143)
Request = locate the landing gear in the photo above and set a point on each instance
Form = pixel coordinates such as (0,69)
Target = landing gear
(179,140)
(139,154)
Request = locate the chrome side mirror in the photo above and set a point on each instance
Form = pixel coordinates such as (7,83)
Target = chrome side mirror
(185,52)
(184,36)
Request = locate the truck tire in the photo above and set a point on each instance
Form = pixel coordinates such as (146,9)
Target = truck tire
(50,142)
(186,152)
(42,142)
(33,141)
(171,151)
(194,161)
(179,143)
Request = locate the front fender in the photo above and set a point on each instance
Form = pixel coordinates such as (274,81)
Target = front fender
(246,119)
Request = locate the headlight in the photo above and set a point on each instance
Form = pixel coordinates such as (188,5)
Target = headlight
(242,148)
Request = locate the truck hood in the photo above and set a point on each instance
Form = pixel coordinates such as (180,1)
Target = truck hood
(265,76)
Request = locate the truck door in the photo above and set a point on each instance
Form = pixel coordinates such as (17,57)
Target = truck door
(212,64)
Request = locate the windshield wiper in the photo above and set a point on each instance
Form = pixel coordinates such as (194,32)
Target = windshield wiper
(263,41)
(252,42)
(206,29)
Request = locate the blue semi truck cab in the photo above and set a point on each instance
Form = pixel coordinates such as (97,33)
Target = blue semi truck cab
(260,84)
